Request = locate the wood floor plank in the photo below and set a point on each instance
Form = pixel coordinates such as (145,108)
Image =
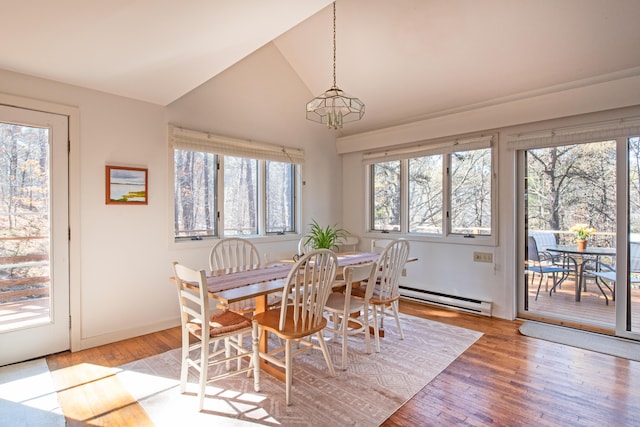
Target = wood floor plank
(503,379)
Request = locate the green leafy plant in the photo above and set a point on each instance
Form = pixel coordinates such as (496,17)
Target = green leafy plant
(324,238)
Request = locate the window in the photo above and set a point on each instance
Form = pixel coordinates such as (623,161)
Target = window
(386,196)
(280,197)
(226,187)
(448,188)
(240,196)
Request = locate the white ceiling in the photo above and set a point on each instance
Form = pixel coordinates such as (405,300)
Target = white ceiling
(406,59)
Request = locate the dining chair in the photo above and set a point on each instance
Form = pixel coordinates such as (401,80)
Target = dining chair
(386,291)
(236,254)
(304,246)
(379,245)
(349,315)
(222,326)
(605,273)
(300,317)
(536,265)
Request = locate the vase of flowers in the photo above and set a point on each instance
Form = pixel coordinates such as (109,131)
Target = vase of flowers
(582,232)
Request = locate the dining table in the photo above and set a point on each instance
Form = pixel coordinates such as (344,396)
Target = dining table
(579,257)
(229,286)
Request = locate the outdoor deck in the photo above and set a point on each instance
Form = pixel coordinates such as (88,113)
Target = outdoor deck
(590,311)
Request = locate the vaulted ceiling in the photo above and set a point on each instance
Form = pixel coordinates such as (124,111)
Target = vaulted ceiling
(406,59)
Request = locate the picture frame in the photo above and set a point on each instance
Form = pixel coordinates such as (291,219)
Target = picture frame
(126,185)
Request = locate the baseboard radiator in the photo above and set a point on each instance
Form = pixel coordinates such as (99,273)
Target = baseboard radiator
(459,303)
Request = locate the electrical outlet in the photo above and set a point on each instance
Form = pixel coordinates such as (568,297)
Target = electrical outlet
(482,257)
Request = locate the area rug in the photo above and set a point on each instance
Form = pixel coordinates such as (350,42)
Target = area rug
(592,341)
(372,388)
(28,397)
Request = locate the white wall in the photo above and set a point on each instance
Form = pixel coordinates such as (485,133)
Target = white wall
(121,255)
(449,268)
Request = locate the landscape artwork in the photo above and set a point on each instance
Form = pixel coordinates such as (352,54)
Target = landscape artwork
(126,185)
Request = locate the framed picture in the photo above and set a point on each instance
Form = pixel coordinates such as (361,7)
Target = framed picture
(126,186)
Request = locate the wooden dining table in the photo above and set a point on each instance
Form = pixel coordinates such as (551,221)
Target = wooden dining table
(228,286)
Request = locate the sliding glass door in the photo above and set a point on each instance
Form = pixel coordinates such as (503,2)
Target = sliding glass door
(573,182)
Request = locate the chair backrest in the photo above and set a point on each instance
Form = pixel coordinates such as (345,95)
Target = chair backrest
(361,273)
(391,263)
(544,239)
(532,251)
(349,243)
(194,306)
(303,246)
(307,289)
(234,253)
(378,245)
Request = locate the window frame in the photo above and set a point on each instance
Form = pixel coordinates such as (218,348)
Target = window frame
(428,148)
(181,139)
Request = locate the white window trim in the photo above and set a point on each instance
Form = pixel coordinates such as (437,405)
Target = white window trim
(426,148)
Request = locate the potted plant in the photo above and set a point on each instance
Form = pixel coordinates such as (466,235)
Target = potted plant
(324,238)
(582,232)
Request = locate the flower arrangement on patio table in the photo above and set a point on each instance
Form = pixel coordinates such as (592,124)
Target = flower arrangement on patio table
(582,231)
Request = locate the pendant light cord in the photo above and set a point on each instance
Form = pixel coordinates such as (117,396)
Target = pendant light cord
(334,44)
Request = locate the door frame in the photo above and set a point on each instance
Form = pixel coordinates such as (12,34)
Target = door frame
(73,115)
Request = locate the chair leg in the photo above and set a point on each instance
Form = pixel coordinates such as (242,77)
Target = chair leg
(336,326)
(240,339)
(255,346)
(288,371)
(204,368)
(325,352)
(367,338)
(539,285)
(344,329)
(394,307)
(184,370)
(376,330)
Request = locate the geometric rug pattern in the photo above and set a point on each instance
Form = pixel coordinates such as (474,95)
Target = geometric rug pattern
(372,388)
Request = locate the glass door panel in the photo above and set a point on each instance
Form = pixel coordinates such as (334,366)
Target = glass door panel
(632,318)
(566,186)
(34,261)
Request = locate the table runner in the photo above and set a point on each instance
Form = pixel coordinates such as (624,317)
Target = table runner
(227,281)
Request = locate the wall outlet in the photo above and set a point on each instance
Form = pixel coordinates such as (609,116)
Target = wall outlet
(482,257)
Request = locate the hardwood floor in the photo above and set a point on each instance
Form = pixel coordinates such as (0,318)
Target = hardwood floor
(502,379)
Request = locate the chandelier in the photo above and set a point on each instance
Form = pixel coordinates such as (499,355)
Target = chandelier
(334,107)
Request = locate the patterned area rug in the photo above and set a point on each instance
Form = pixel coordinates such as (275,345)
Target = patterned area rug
(371,389)
(28,397)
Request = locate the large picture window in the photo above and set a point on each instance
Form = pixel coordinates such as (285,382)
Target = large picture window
(226,187)
(440,189)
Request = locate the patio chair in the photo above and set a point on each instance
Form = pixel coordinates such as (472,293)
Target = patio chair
(544,267)
(605,274)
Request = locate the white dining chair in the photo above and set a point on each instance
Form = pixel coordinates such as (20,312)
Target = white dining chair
(235,254)
(349,315)
(386,291)
(203,330)
(305,291)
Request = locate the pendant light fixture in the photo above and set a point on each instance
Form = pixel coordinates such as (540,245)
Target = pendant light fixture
(334,107)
